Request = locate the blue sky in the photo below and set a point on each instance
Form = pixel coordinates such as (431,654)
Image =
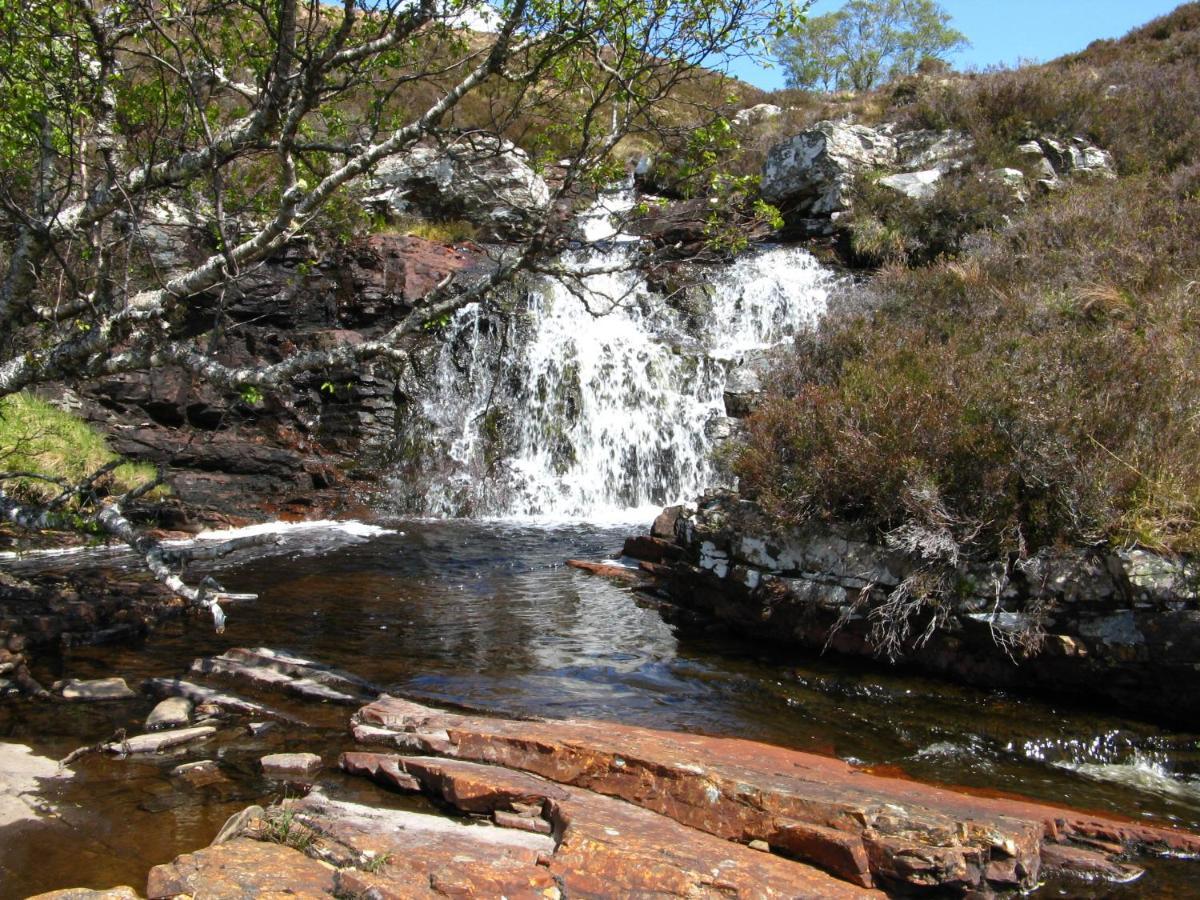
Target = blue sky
(1007,31)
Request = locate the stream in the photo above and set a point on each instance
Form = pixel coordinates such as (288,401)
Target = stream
(536,418)
(485,614)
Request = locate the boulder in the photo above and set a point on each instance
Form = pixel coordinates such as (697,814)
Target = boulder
(1052,160)
(97,689)
(744,385)
(1078,158)
(170,713)
(291,764)
(482,178)
(914,185)
(940,150)
(757,114)
(809,175)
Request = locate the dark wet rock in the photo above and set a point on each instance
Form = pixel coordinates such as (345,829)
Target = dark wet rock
(170,713)
(865,829)
(159,741)
(291,764)
(1122,625)
(97,689)
(650,549)
(745,384)
(664,525)
(49,611)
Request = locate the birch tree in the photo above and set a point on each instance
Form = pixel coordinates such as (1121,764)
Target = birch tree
(263,113)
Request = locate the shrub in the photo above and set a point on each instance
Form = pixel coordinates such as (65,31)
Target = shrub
(1042,390)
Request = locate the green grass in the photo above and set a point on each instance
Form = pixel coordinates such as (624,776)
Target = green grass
(446,231)
(40,438)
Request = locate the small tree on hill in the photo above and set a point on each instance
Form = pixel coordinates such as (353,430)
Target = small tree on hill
(866,42)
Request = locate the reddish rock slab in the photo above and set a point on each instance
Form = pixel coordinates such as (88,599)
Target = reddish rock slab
(864,828)
(421,855)
(406,266)
(607,847)
(291,764)
(117,893)
(242,868)
(607,570)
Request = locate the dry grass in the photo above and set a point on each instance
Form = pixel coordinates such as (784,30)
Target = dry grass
(1018,384)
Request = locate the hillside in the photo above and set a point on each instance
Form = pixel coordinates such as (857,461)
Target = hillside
(1022,375)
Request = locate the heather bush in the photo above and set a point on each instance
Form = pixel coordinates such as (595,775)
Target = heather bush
(1040,390)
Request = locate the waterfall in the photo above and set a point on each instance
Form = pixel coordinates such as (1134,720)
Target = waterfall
(594,397)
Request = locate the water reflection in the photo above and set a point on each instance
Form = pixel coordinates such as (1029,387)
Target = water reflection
(486,615)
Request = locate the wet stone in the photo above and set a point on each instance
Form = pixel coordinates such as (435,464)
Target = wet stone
(160,740)
(199,774)
(291,764)
(170,713)
(97,689)
(117,893)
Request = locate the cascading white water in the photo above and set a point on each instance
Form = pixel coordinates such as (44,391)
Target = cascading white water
(594,399)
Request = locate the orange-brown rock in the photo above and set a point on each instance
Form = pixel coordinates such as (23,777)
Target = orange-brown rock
(864,828)
(607,570)
(242,868)
(607,847)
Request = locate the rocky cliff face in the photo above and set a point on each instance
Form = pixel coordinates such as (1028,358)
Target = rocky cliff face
(1123,626)
(314,445)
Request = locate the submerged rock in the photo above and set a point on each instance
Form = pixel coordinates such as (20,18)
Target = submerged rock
(21,775)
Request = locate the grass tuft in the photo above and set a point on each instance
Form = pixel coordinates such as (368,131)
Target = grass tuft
(40,438)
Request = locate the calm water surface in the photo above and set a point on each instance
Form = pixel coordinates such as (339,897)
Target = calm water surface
(486,615)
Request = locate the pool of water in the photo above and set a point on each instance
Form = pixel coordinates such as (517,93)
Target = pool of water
(485,614)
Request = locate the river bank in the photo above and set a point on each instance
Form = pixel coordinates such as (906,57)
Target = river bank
(485,615)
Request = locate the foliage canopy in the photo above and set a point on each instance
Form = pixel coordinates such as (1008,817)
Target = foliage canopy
(866,42)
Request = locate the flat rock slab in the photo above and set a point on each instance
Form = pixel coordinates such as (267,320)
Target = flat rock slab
(607,847)
(863,828)
(21,776)
(291,764)
(97,689)
(202,695)
(242,868)
(117,893)
(158,741)
(269,678)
